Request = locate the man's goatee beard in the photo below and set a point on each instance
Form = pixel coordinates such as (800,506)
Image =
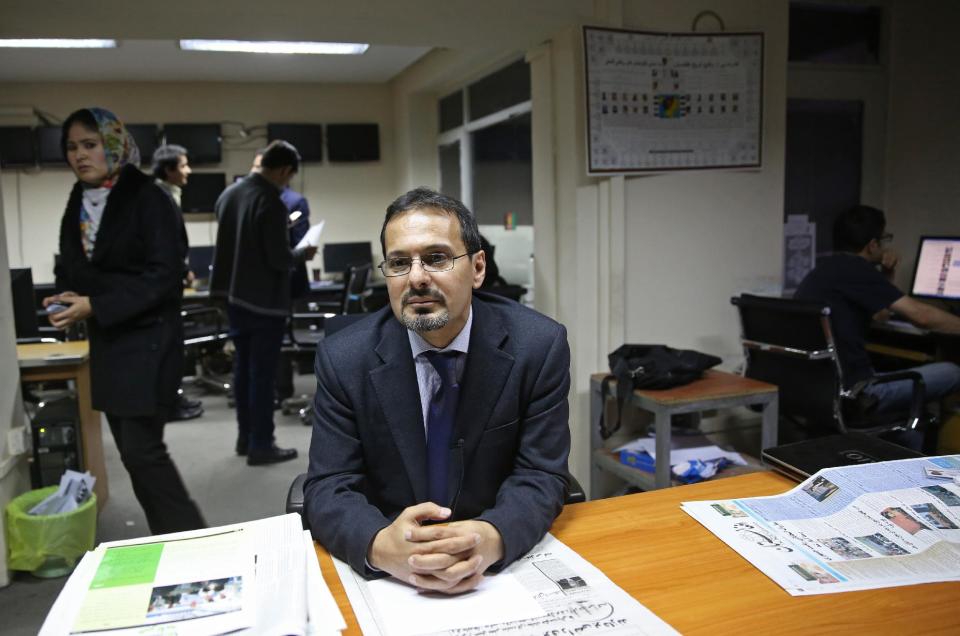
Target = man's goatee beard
(433,322)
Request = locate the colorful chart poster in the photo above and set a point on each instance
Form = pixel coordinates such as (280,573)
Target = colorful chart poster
(669,101)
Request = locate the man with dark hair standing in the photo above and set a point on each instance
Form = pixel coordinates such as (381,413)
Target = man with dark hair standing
(171,169)
(251,269)
(855,281)
(448,405)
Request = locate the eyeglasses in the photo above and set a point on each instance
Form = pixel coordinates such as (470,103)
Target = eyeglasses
(885,238)
(437,262)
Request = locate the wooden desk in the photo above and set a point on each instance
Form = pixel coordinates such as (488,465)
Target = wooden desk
(715,390)
(680,571)
(71,361)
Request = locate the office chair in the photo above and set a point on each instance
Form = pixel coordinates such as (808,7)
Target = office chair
(790,343)
(294,503)
(303,339)
(354,291)
(204,333)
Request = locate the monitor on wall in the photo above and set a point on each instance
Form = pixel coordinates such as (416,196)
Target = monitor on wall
(202,141)
(201,192)
(306,138)
(146,136)
(17,148)
(936,273)
(353,142)
(49,152)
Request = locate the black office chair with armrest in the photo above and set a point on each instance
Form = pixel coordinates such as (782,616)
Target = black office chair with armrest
(354,291)
(204,334)
(790,343)
(294,503)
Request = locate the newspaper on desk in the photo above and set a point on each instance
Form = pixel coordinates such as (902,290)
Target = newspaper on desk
(260,577)
(851,528)
(550,590)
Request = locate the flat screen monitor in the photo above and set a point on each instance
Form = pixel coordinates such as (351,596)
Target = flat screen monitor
(337,257)
(306,138)
(353,142)
(200,260)
(202,141)
(49,152)
(937,271)
(17,149)
(24,309)
(202,190)
(146,136)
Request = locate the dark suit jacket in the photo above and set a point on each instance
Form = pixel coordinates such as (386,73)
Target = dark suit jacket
(510,442)
(134,284)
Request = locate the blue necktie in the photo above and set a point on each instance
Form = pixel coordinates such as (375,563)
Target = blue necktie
(442,411)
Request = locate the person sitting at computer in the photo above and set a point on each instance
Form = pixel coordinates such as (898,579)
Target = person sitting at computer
(855,281)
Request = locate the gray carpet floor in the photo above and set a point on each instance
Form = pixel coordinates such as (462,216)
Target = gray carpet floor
(225,488)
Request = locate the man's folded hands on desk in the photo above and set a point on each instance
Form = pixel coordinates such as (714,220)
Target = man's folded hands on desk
(448,558)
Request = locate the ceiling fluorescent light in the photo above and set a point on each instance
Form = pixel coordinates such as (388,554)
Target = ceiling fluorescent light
(54,43)
(297,48)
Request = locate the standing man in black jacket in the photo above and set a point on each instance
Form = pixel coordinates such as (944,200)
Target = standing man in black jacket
(251,269)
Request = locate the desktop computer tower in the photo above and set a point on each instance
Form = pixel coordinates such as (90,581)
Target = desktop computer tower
(55,426)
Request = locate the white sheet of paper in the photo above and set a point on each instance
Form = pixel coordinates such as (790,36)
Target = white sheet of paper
(409,612)
(323,615)
(312,237)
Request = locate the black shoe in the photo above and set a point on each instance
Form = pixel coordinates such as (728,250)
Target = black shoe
(187,403)
(273,455)
(183,413)
(241,447)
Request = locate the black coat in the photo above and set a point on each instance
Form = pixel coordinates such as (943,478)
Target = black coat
(134,285)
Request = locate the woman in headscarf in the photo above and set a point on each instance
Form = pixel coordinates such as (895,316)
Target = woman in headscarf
(121,260)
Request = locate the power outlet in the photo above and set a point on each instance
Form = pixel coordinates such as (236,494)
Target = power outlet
(18,440)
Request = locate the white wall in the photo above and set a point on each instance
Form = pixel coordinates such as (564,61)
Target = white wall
(351,197)
(13,468)
(923,135)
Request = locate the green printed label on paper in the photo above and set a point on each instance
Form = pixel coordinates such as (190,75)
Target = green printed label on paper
(130,565)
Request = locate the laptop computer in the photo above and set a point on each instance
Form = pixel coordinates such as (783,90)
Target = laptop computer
(799,460)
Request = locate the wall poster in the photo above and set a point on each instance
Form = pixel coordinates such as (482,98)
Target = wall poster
(671,101)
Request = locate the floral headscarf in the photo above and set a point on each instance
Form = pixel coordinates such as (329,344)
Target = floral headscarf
(118,144)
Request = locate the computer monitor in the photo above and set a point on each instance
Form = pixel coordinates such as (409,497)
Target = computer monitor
(145,136)
(202,190)
(338,257)
(353,142)
(307,138)
(24,309)
(200,260)
(49,152)
(16,147)
(202,141)
(937,270)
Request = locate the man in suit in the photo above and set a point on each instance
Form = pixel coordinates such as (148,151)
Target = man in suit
(445,406)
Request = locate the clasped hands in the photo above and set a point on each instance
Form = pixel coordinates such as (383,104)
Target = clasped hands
(449,558)
(78,308)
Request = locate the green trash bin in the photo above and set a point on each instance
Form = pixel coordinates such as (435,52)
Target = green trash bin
(48,545)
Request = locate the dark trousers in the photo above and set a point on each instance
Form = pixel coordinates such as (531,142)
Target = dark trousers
(156,482)
(257,339)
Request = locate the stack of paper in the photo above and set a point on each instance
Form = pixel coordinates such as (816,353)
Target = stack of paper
(260,577)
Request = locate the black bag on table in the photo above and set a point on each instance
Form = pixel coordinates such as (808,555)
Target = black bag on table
(649,367)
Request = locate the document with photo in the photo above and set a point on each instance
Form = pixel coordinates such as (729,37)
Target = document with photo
(851,528)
